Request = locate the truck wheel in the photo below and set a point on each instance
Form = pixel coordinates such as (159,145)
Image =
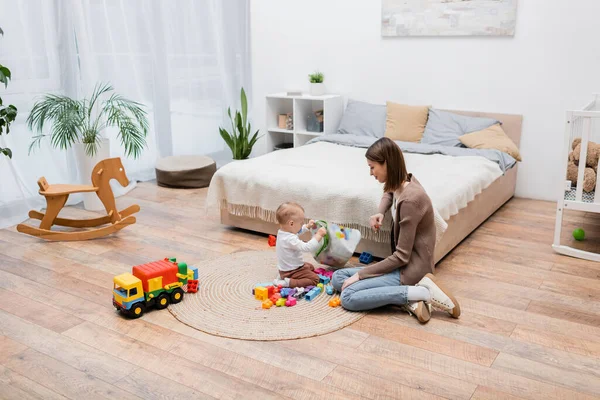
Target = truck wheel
(137,310)
(162,301)
(177,296)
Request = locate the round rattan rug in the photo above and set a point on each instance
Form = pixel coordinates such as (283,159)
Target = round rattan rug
(224,304)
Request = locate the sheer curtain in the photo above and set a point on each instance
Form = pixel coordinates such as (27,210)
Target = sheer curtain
(185,60)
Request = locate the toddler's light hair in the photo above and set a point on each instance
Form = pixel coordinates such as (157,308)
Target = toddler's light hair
(286,210)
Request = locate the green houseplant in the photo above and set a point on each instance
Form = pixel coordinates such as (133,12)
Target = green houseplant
(7,113)
(239,140)
(80,124)
(317,87)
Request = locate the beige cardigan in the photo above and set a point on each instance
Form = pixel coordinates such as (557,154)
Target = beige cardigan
(414,230)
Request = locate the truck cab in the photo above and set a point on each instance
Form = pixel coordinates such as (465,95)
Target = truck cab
(128,291)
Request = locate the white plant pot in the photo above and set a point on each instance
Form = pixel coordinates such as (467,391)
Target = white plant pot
(85,165)
(317,89)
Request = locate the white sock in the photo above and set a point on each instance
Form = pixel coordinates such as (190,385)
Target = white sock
(418,293)
(283,282)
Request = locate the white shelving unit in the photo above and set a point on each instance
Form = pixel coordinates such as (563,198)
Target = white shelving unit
(583,124)
(301,107)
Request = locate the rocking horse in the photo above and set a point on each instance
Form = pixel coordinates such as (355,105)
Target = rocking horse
(57,195)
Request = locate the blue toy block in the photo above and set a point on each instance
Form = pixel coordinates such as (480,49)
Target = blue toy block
(313,293)
(285,292)
(365,258)
(195,269)
(324,279)
(329,289)
(264,284)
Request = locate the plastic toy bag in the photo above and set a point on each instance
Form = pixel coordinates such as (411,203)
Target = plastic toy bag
(338,244)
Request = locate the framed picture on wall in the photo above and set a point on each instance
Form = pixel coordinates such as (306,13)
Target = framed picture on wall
(448,17)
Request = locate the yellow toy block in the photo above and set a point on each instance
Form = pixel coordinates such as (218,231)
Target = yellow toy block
(320,285)
(280,302)
(261,293)
(267,304)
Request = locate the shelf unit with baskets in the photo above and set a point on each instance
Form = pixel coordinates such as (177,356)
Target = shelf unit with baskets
(583,124)
(304,123)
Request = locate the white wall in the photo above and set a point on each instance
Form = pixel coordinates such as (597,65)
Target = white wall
(551,64)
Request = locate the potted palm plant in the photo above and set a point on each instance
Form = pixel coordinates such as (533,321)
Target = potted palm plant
(317,87)
(80,124)
(239,140)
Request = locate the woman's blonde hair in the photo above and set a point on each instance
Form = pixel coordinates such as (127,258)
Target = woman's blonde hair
(385,151)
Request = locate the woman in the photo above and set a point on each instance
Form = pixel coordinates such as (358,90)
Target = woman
(413,243)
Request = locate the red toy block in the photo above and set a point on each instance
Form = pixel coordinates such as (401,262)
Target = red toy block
(271,290)
(275,297)
(272,240)
(192,285)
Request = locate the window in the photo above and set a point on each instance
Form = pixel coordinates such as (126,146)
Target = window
(132,292)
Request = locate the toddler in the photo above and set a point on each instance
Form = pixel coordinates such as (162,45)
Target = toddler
(293,271)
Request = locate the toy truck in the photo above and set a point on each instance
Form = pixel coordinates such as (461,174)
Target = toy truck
(156,284)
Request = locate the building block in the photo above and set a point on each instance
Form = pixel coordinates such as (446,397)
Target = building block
(271,290)
(195,272)
(365,258)
(334,302)
(285,292)
(267,304)
(329,289)
(261,293)
(292,292)
(264,284)
(280,302)
(313,293)
(309,288)
(290,302)
(275,297)
(272,240)
(192,286)
(321,286)
(324,279)
(324,272)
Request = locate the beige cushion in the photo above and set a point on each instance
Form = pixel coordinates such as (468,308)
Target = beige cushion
(492,137)
(405,123)
(185,171)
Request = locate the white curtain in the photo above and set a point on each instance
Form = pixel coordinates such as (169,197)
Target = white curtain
(185,60)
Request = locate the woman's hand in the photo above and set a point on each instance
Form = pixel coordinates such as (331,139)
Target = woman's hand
(376,221)
(353,279)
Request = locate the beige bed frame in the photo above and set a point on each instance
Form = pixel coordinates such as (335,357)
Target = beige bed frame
(459,225)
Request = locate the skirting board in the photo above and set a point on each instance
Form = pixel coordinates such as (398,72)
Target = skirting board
(459,225)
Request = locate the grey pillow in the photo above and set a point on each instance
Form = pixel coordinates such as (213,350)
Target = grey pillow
(444,127)
(363,119)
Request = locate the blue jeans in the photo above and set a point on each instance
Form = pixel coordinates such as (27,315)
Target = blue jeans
(370,293)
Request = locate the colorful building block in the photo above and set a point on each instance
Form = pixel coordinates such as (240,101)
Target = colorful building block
(365,258)
(324,272)
(261,293)
(309,288)
(271,290)
(194,271)
(192,286)
(264,284)
(275,297)
(285,292)
(292,292)
(290,302)
(321,286)
(329,289)
(313,293)
(267,304)
(334,302)
(324,279)
(280,302)
(272,240)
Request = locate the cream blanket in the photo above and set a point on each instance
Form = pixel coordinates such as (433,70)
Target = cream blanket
(332,183)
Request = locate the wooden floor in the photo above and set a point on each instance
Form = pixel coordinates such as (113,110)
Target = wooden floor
(530,326)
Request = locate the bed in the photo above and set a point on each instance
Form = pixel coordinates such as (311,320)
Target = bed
(329,177)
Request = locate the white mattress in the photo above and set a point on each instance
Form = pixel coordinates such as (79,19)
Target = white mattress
(332,182)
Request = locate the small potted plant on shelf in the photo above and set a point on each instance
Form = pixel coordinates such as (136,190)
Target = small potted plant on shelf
(239,140)
(80,124)
(317,87)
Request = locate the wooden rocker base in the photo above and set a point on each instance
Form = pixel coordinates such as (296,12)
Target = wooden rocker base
(80,235)
(85,223)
